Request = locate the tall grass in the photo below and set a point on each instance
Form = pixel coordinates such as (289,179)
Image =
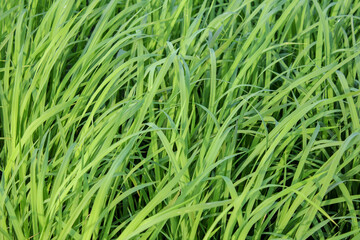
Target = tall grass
(179,119)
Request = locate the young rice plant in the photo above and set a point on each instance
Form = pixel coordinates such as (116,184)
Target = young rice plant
(179,119)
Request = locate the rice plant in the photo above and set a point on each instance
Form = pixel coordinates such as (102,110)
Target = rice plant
(179,119)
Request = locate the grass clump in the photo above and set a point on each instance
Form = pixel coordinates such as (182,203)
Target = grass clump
(179,119)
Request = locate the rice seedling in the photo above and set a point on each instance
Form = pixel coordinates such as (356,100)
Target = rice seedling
(179,119)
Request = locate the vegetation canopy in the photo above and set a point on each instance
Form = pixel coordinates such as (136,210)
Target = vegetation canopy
(179,119)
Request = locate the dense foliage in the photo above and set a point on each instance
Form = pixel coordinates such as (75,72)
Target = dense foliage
(179,119)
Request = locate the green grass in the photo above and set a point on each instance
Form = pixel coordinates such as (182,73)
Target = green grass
(179,119)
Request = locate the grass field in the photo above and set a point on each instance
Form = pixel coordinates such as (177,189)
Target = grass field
(179,119)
